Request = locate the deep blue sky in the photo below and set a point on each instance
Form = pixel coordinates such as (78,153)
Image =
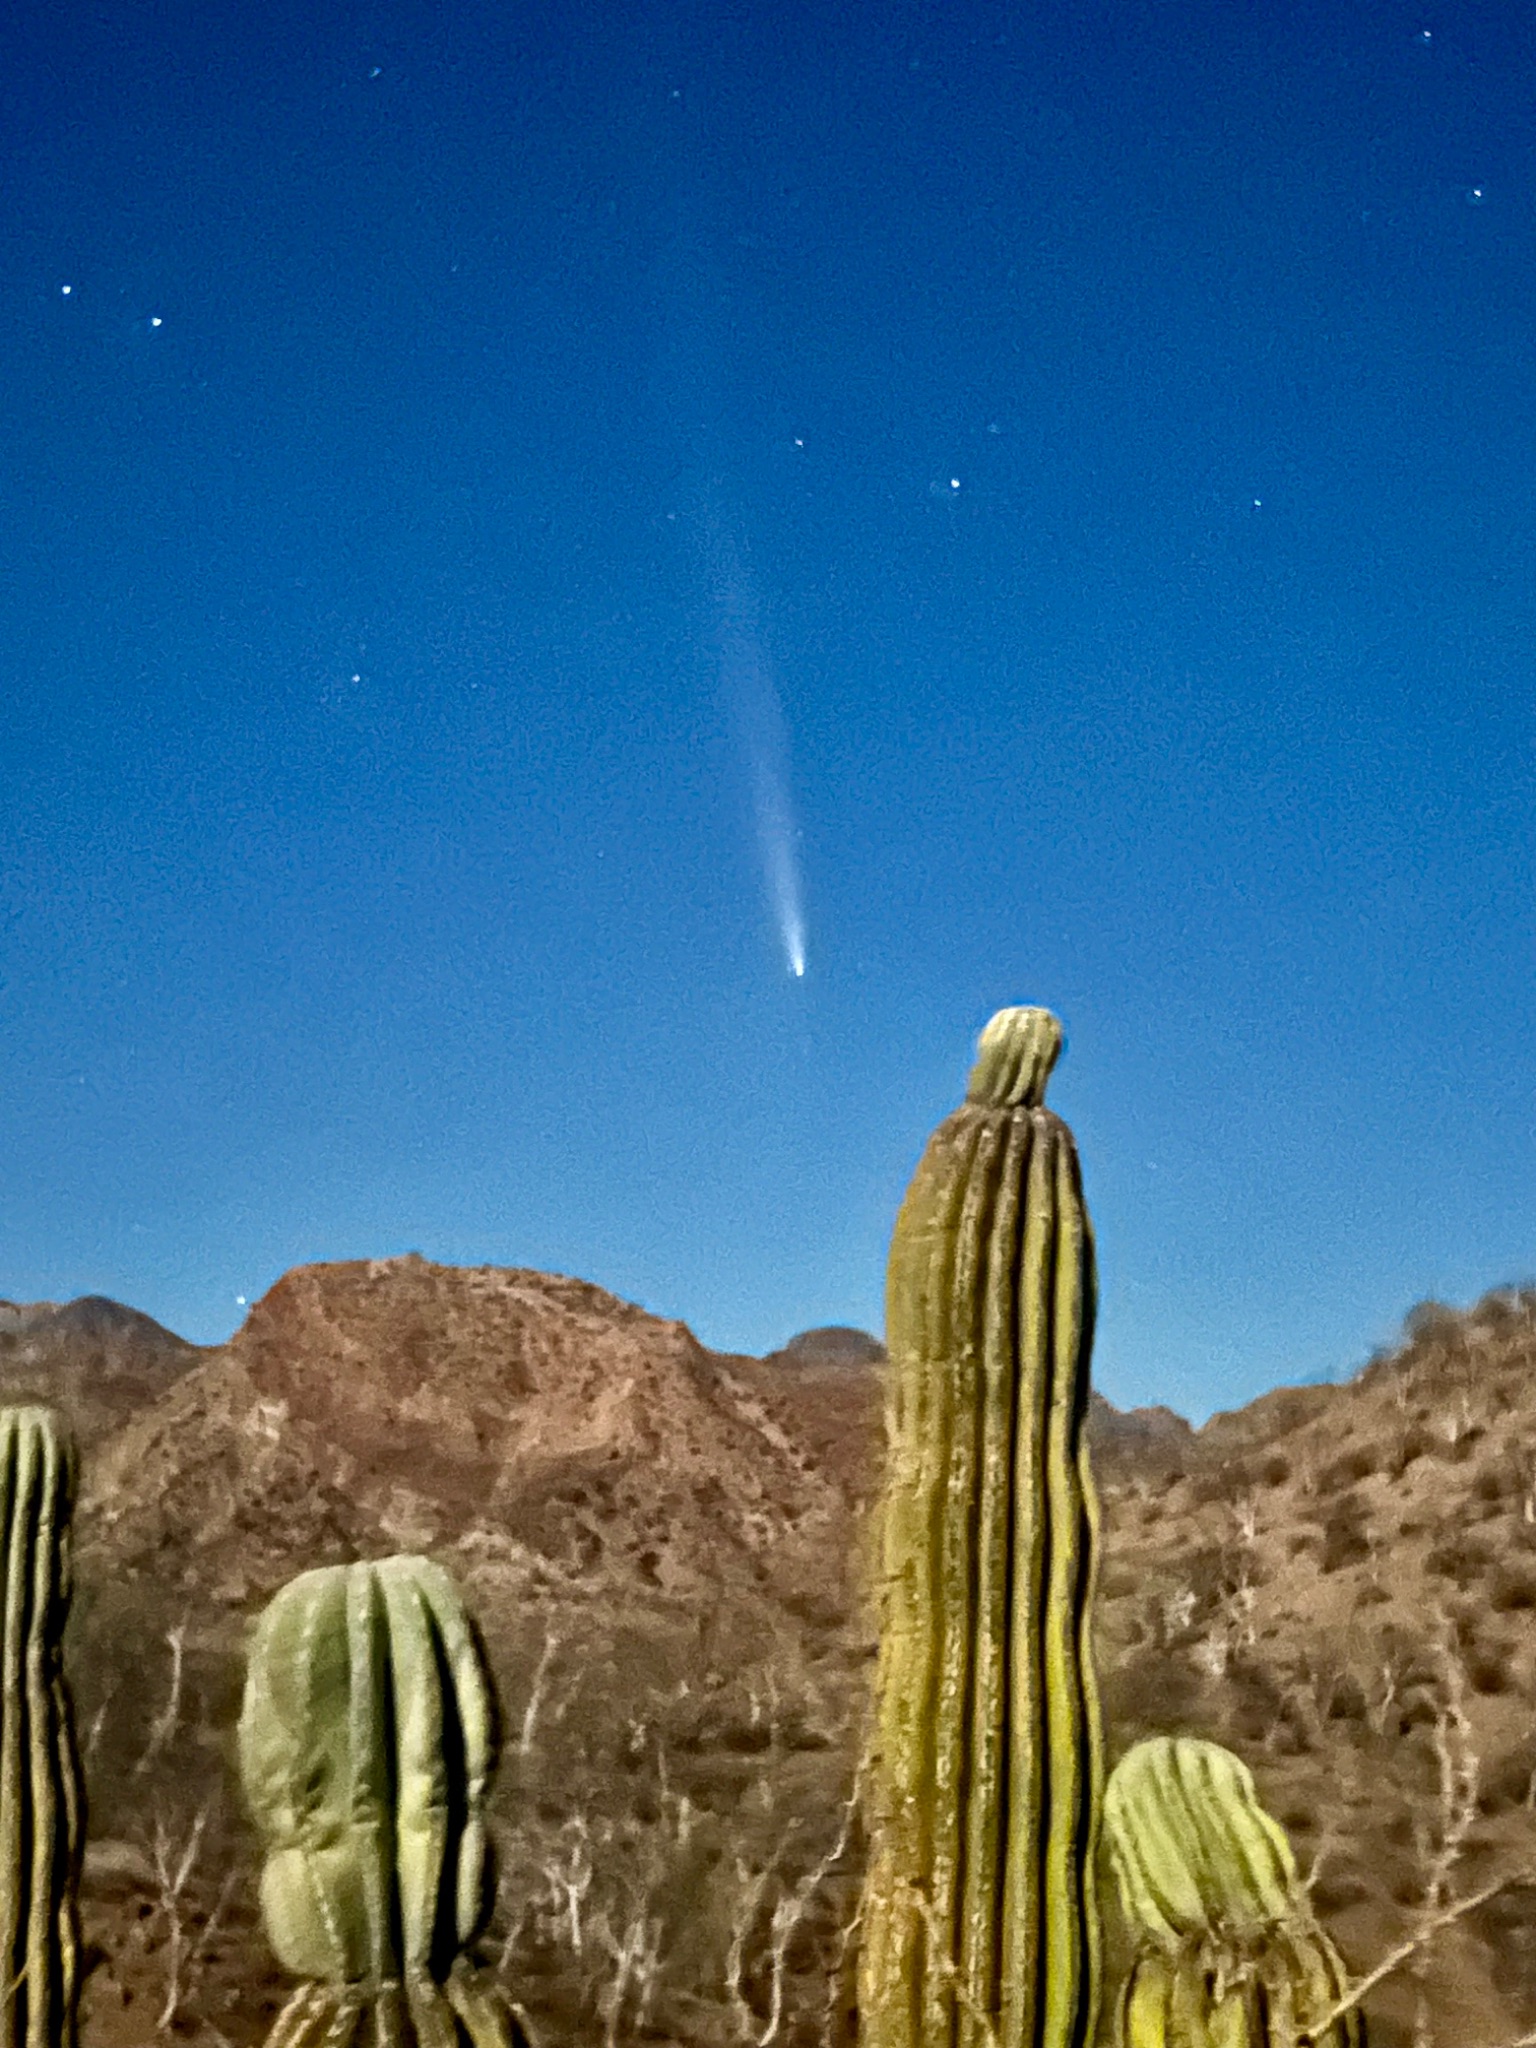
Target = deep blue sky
(492,466)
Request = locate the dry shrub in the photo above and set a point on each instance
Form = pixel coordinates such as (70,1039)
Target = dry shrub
(1117,1579)
(1491,1671)
(1275,1469)
(1506,1782)
(1346,1539)
(1506,1924)
(1223,1482)
(1498,1480)
(1152,1693)
(1513,1588)
(1333,1891)
(1417,1711)
(1461,1558)
(1348,1468)
(1417,1441)
(1255,1700)
(1348,1702)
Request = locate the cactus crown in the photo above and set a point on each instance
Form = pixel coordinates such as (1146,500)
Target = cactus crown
(1191,1846)
(1229,1953)
(1014,1058)
(367,1738)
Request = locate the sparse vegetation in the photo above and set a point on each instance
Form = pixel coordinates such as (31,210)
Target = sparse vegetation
(680,1853)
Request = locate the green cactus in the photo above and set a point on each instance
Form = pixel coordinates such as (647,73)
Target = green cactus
(1228,1951)
(42,1800)
(367,1739)
(980,1914)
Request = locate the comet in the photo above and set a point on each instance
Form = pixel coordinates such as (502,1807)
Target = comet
(757,716)
(694,285)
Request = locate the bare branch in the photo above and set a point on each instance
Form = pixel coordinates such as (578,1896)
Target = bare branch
(166,1720)
(1457,1763)
(1413,1943)
(793,1907)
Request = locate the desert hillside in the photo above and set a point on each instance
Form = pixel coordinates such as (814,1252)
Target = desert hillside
(665,1547)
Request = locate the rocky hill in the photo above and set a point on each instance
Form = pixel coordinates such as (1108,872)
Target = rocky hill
(667,1549)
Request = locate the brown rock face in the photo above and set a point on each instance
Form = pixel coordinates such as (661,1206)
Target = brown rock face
(427,1403)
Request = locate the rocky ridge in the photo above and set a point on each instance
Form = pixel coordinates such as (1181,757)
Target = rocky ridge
(668,1550)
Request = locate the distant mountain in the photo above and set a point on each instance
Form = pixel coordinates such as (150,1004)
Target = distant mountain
(835,1344)
(834,1392)
(98,1360)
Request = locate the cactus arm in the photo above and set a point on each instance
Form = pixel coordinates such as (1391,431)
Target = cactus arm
(1153,1866)
(1014,1059)
(1208,1883)
(1243,1851)
(1186,1831)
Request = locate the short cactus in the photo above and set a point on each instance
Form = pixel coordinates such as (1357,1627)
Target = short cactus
(42,1801)
(367,1739)
(1228,1951)
(980,1921)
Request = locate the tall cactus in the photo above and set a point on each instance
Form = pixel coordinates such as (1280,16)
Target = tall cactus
(980,1917)
(367,1739)
(1228,1951)
(42,1801)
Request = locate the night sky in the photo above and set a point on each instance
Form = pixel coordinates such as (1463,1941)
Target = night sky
(523,525)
